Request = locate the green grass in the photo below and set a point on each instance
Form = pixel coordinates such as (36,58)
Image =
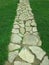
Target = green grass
(40,8)
(7,15)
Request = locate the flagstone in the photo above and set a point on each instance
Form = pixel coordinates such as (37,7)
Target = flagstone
(21,25)
(28,28)
(12,55)
(15,23)
(33,23)
(19,12)
(28,23)
(21,22)
(13,46)
(22,30)
(21,35)
(16,26)
(15,30)
(30,13)
(30,39)
(21,63)
(26,55)
(36,33)
(39,43)
(34,29)
(39,52)
(15,38)
(45,61)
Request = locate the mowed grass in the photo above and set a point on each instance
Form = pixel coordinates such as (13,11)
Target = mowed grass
(40,8)
(7,15)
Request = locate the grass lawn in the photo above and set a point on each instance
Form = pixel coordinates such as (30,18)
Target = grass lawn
(40,8)
(7,15)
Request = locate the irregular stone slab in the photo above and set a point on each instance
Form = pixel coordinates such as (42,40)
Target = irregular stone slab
(38,52)
(15,23)
(45,61)
(21,25)
(30,12)
(33,23)
(22,30)
(36,33)
(30,39)
(19,12)
(28,29)
(15,30)
(16,26)
(12,56)
(21,63)
(28,23)
(26,55)
(39,43)
(34,29)
(21,35)
(15,38)
(13,46)
(21,22)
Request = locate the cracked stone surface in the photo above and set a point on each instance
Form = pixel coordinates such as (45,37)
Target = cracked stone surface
(26,55)
(12,56)
(15,38)
(25,45)
(38,52)
(13,46)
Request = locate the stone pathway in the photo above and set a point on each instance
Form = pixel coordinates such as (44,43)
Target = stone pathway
(25,45)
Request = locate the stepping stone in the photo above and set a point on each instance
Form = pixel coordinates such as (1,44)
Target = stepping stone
(38,52)
(12,56)
(21,63)
(15,30)
(15,38)
(30,39)
(26,55)
(13,47)
(45,61)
